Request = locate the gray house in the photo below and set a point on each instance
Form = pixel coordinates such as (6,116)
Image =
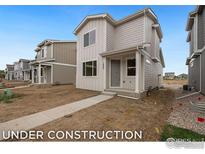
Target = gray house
(22,70)
(55,62)
(196,38)
(9,72)
(121,56)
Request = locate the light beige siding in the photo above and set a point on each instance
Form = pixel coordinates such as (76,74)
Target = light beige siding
(91,52)
(65,53)
(48,53)
(63,74)
(152,72)
(110,37)
(129,34)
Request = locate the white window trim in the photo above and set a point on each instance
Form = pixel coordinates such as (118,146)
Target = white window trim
(89,38)
(130,58)
(92,71)
(45,52)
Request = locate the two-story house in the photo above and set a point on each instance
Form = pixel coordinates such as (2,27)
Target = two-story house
(9,71)
(22,70)
(55,62)
(121,56)
(196,38)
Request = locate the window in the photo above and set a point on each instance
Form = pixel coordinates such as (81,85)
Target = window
(42,53)
(86,40)
(89,38)
(41,71)
(90,68)
(131,67)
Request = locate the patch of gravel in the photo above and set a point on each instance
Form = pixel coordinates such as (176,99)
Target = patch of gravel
(183,116)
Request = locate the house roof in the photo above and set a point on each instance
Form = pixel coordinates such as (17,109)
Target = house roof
(51,41)
(9,67)
(25,60)
(191,16)
(118,51)
(115,23)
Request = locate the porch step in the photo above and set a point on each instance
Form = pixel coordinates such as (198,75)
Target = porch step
(124,92)
(109,93)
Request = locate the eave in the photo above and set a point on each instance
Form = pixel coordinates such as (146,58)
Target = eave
(119,51)
(188,37)
(115,23)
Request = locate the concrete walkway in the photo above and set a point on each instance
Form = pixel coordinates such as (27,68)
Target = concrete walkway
(40,118)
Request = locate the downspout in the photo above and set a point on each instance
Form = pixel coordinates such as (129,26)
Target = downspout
(200,75)
(139,48)
(196,31)
(145,25)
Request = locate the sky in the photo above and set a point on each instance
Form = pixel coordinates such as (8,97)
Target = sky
(23,27)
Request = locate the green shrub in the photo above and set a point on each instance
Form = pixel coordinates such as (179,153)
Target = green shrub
(7,96)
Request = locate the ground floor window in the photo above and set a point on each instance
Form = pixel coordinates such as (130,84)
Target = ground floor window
(131,67)
(90,68)
(41,71)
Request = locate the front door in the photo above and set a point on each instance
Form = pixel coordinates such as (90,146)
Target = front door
(45,75)
(115,73)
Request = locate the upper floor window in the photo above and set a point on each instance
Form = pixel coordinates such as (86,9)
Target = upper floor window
(89,38)
(131,67)
(42,53)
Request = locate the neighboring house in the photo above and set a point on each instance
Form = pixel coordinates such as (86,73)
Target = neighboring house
(22,70)
(9,72)
(123,56)
(55,62)
(169,76)
(182,76)
(196,38)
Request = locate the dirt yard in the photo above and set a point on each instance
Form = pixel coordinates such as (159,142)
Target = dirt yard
(34,99)
(148,114)
(13,83)
(179,82)
(174,84)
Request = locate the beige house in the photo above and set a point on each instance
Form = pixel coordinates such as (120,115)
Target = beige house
(121,56)
(9,72)
(22,70)
(55,62)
